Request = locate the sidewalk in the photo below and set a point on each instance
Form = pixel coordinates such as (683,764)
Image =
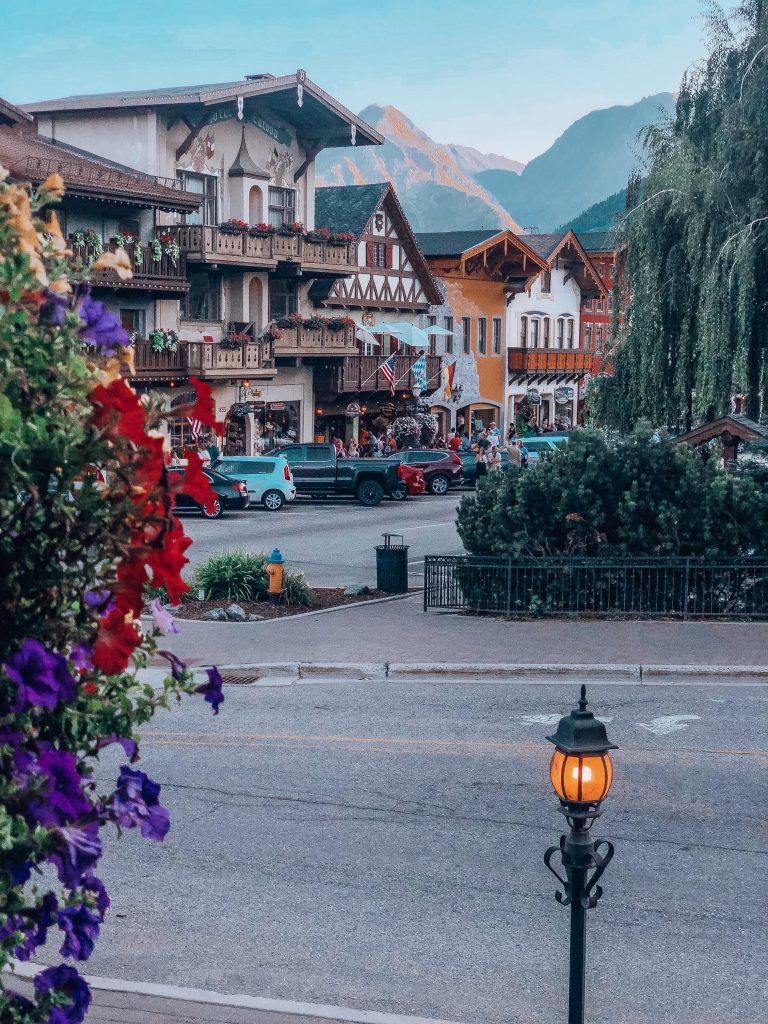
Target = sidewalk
(400,631)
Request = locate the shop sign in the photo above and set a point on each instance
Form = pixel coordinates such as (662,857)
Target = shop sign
(249,394)
(276,406)
(353,409)
(533,396)
(563,395)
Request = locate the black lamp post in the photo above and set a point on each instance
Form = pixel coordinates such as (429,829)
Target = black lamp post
(581,774)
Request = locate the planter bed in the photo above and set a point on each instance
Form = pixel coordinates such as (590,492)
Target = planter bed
(325,597)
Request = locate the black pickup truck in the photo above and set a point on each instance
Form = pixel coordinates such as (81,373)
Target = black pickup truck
(318,472)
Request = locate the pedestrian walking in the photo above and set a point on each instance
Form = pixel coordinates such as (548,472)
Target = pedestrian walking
(481,463)
(494,459)
(515,455)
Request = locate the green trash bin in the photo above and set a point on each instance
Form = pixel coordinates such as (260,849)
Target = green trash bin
(392,565)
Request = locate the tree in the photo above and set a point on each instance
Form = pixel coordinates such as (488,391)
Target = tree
(695,332)
(634,497)
(86,507)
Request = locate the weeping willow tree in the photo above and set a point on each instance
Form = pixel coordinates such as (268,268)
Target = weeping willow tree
(695,267)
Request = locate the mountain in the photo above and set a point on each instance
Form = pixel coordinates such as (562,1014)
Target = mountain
(600,216)
(590,160)
(435,183)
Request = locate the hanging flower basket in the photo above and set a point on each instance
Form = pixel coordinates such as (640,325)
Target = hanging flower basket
(297,228)
(271,334)
(339,323)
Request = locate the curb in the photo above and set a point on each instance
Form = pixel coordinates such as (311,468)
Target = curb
(289,673)
(200,995)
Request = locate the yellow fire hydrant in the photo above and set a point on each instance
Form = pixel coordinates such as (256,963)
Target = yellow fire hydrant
(274,569)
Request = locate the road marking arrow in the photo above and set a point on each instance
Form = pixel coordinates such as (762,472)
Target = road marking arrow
(666,724)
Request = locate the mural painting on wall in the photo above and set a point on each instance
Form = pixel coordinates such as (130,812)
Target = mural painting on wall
(203,150)
(466,380)
(278,165)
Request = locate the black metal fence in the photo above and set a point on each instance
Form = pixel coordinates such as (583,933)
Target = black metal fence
(605,587)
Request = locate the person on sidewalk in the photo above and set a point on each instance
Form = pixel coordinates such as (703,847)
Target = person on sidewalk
(494,460)
(481,463)
(515,455)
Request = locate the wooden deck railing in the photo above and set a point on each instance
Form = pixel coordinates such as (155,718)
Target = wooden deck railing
(211,244)
(356,374)
(148,273)
(549,360)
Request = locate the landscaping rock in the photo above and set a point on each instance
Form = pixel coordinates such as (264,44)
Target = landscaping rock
(235,613)
(356,590)
(215,615)
(256,618)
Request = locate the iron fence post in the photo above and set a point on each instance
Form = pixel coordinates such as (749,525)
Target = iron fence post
(687,586)
(509,585)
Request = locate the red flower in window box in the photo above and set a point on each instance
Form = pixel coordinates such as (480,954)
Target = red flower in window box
(233,226)
(260,230)
(317,235)
(341,237)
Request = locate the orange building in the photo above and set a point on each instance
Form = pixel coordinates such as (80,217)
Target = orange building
(479,273)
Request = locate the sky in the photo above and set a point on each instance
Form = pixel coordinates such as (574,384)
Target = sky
(505,76)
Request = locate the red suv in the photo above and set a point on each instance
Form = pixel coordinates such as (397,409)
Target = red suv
(442,470)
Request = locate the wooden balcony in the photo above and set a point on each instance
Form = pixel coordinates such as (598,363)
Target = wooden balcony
(546,362)
(358,374)
(214,361)
(150,365)
(320,341)
(208,244)
(148,274)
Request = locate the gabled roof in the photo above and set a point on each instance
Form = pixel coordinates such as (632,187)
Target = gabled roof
(550,246)
(30,157)
(296,98)
(351,208)
(10,114)
(598,241)
(348,207)
(453,243)
(740,427)
(544,245)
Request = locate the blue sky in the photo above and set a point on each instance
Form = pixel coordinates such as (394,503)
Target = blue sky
(502,75)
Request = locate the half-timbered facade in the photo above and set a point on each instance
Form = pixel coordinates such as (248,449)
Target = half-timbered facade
(246,150)
(547,362)
(479,273)
(391,282)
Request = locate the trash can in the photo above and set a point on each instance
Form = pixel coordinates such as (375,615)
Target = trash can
(392,565)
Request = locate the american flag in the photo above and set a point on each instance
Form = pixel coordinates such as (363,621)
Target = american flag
(195,426)
(387,370)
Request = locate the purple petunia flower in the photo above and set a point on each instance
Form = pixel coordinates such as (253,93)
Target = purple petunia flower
(130,746)
(211,690)
(41,678)
(81,656)
(164,621)
(96,598)
(54,309)
(81,929)
(135,802)
(65,980)
(33,925)
(76,851)
(101,328)
(177,665)
(95,885)
(63,800)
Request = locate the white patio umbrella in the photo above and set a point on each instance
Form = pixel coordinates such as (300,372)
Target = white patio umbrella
(365,336)
(408,334)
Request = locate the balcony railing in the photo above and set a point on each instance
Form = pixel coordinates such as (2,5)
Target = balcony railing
(319,341)
(149,274)
(549,360)
(214,360)
(210,244)
(152,365)
(357,374)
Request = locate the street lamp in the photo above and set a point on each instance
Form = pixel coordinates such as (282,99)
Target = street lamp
(581,774)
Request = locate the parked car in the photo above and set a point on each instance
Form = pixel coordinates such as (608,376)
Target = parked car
(539,443)
(269,480)
(317,471)
(442,470)
(230,494)
(411,482)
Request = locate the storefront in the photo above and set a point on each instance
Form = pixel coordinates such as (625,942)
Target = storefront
(256,426)
(347,417)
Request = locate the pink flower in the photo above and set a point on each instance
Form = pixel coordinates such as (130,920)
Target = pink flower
(164,621)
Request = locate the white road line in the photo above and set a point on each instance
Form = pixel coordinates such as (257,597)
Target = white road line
(426,526)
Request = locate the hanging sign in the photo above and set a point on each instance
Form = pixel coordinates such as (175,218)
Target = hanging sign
(276,406)
(353,409)
(563,395)
(533,396)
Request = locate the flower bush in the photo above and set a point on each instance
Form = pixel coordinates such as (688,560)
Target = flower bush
(86,504)
(317,235)
(260,230)
(338,323)
(163,341)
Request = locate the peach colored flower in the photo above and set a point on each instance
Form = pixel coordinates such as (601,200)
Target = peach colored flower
(118,261)
(54,185)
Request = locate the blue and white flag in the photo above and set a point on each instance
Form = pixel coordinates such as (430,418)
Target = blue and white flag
(419,370)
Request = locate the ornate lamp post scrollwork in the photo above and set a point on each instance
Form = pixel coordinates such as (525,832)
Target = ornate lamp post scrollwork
(581,774)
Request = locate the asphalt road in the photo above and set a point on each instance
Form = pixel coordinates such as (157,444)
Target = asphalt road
(332,541)
(380,846)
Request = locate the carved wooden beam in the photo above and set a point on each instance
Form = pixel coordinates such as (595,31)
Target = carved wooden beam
(194,131)
(312,149)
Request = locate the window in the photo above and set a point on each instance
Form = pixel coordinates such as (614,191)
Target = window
(600,305)
(203,300)
(546,332)
(534,334)
(546,281)
(600,269)
(448,338)
(283,298)
(295,453)
(570,333)
(432,322)
(466,334)
(598,336)
(319,455)
(378,254)
(282,206)
(134,321)
(560,329)
(204,185)
(497,335)
(523,332)
(482,335)
(235,468)
(588,336)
